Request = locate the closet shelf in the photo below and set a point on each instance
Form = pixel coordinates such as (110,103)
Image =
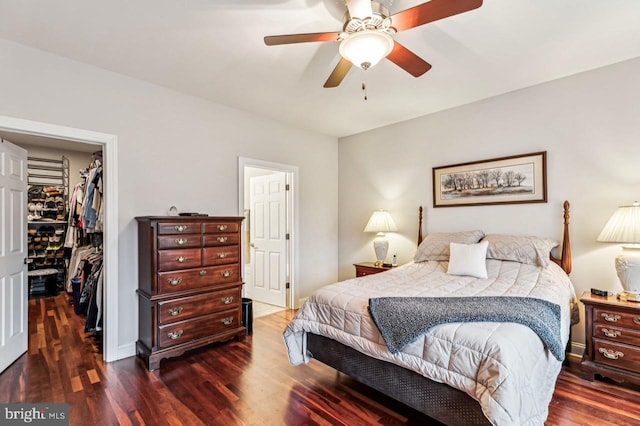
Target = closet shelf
(48,194)
(47,222)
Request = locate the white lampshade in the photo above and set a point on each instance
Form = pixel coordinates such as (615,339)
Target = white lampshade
(366,48)
(381,222)
(624,227)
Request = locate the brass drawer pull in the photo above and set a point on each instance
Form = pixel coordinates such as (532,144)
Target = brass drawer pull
(181,241)
(611,354)
(174,281)
(611,333)
(636,320)
(181,228)
(227,321)
(181,259)
(176,311)
(226,274)
(611,317)
(227,300)
(222,227)
(203,273)
(222,239)
(175,334)
(222,256)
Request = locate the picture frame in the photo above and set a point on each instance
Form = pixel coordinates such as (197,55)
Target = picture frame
(505,180)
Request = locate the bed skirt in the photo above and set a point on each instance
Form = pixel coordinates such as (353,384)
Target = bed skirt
(437,400)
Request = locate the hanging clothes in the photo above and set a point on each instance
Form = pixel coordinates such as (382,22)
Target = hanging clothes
(84,237)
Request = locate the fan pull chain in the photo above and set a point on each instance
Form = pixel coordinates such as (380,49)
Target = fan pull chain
(364,89)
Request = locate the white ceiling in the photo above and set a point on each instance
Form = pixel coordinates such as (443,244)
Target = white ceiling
(214,49)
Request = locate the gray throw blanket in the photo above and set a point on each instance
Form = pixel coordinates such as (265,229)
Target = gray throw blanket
(402,319)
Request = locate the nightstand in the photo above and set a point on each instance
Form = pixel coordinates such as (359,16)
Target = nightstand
(612,332)
(369,268)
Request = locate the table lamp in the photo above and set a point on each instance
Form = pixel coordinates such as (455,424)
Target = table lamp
(624,227)
(380,222)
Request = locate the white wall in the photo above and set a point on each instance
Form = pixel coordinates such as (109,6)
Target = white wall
(590,127)
(177,150)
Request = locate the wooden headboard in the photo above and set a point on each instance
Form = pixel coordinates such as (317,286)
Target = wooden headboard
(565,257)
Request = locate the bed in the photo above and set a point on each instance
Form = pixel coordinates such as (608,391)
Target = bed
(480,366)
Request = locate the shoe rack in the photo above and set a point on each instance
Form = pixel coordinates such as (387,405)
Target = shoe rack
(47,224)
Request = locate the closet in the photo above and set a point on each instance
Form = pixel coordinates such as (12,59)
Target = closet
(65,230)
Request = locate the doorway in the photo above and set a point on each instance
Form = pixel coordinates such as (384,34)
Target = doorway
(268,201)
(52,135)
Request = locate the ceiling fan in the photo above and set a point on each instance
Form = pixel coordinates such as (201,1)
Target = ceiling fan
(366,37)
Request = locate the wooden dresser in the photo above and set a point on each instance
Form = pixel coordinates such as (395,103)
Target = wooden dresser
(612,338)
(189,284)
(369,268)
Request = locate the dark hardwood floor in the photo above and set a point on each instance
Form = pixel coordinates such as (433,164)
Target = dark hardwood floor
(236,383)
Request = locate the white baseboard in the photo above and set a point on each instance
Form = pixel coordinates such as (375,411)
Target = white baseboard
(125,351)
(577,349)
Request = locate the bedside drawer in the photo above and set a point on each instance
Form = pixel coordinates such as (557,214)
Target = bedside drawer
(617,334)
(616,355)
(364,270)
(621,319)
(185,331)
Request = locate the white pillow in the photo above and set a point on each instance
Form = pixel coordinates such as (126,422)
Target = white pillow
(468,259)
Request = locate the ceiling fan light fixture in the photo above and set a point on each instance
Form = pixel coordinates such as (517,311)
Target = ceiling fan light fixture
(366,48)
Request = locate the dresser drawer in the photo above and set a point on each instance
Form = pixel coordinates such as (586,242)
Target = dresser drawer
(616,355)
(213,240)
(621,319)
(170,260)
(179,241)
(196,328)
(165,228)
(195,306)
(617,334)
(221,227)
(197,278)
(220,255)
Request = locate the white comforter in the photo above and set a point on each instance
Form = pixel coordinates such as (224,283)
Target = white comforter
(504,366)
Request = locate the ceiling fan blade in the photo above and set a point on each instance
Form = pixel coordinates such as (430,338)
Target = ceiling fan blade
(431,11)
(300,38)
(338,74)
(408,61)
(359,8)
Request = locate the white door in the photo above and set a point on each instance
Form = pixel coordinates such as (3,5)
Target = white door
(13,242)
(268,236)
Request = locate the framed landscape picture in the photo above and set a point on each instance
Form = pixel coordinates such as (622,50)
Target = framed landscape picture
(505,180)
